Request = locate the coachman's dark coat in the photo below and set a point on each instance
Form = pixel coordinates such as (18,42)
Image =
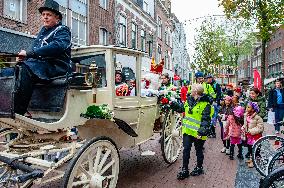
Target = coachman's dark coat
(51,52)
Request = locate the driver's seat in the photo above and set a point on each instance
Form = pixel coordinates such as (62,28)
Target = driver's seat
(49,97)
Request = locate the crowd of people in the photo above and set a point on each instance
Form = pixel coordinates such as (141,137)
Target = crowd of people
(240,116)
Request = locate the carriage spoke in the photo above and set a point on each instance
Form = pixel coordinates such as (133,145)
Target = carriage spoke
(107,167)
(98,156)
(91,163)
(84,171)
(77,183)
(104,159)
(168,138)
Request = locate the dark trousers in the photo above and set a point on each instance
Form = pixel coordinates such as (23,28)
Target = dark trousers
(279,114)
(232,148)
(249,150)
(24,90)
(226,143)
(198,144)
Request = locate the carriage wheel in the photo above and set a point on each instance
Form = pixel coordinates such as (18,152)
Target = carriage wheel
(276,162)
(263,151)
(274,180)
(171,141)
(95,165)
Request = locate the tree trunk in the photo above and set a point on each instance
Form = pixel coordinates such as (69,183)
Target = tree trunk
(263,66)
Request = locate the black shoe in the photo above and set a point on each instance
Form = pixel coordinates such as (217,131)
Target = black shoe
(231,157)
(184,173)
(240,156)
(197,171)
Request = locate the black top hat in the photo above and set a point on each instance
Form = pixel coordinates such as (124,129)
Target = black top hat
(51,5)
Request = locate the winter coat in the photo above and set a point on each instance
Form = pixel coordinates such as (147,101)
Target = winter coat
(51,52)
(261,104)
(232,128)
(272,98)
(256,125)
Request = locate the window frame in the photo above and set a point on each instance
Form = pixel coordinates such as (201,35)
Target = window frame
(143,40)
(23,9)
(70,15)
(105,4)
(134,29)
(122,30)
(104,32)
(160,25)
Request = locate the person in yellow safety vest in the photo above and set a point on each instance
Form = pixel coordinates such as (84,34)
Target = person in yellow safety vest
(195,127)
(208,89)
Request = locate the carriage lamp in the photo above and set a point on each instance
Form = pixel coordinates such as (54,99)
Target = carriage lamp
(90,77)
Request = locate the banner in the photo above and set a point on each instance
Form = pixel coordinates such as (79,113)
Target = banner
(256,79)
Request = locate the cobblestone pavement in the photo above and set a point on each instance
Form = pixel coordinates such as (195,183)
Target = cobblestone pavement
(138,171)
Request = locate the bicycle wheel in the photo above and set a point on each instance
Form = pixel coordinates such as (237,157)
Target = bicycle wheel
(263,151)
(276,162)
(274,180)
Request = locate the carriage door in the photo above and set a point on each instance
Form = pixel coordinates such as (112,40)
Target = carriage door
(126,101)
(148,102)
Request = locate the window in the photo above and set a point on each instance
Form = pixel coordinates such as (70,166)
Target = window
(134,36)
(159,28)
(122,30)
(83,66)
(16,9)
(166,60)
(159,57)
(143,40)
(166,36)
(77,21)
(103,36)
(78,28)
(125,75)
(150,45)
(104,4)
(146,7)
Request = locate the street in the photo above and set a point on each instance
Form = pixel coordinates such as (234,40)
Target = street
(138,171)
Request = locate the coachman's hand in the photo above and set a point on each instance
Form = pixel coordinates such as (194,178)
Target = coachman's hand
(21,55)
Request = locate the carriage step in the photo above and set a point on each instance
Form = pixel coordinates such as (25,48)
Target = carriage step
(46,120)
(147,153)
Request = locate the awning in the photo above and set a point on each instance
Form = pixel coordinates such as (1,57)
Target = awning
(13,43)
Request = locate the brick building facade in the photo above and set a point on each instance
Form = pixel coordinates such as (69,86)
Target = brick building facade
(274,60)
(164,35)
(275,54)
(18,24)
(135,25)
(91,22)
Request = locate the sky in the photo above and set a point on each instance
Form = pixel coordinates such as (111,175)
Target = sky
(191,9)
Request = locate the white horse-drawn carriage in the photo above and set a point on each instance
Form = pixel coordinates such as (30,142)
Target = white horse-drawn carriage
(34,150)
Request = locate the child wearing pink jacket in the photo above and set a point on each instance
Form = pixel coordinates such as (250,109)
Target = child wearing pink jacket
(234,132)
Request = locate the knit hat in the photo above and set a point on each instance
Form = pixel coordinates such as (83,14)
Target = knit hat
(254,106)
(239,111)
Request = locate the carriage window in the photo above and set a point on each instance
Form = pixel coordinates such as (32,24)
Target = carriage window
(125,75)
(83,63)
(149,81)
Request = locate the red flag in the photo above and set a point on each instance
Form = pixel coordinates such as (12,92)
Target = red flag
(256,79)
